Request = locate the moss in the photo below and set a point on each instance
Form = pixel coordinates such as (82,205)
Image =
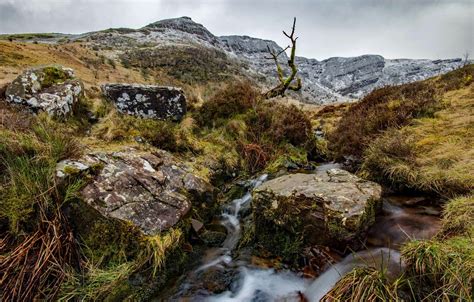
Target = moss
(121,262)
(53,75)
(292,157)
(108,241)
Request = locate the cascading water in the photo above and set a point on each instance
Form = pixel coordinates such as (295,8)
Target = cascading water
(251,283)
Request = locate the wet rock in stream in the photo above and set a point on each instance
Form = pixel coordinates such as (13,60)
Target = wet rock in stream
(329,207)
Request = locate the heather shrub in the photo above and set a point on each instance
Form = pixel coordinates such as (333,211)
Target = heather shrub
(235,98)
(382,109)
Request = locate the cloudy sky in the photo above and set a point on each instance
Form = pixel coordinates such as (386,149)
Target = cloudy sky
(327,28)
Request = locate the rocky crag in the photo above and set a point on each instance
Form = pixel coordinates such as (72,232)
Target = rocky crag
(332,80)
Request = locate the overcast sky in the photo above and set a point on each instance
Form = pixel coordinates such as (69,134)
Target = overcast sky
(327,28)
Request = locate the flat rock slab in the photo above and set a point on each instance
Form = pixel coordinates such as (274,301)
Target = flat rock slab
(52,89)
(328,207)
(147,101)
(150,190)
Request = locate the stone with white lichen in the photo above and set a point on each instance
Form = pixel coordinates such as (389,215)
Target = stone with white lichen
(147,101)
(52,89)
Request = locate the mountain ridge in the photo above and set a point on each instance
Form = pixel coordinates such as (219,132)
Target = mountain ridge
(331,80)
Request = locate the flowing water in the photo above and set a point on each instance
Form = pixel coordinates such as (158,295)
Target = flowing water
(237,278)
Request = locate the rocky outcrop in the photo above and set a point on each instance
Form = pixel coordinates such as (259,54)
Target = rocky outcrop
(184,25)
(150,190)
(52,89)
(330,208)
(147,101)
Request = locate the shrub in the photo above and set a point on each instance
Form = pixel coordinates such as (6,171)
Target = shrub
(278,124)
(270,128)
(235,98)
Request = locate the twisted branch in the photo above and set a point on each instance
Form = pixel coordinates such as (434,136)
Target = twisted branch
(289,82)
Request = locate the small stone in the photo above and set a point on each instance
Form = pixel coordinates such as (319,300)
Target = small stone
(197,225)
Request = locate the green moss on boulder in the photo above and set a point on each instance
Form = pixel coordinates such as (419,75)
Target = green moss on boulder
(331,208)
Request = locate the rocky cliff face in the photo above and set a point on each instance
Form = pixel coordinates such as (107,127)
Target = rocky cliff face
(339,79)
(327,81)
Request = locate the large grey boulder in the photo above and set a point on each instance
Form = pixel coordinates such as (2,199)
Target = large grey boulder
(52,89)
(149,189)
(147,101)
(329,208)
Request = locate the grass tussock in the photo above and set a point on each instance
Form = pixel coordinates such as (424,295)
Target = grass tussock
(118,127)
(442,269)
(28,161)
(458,217)
(38,243)
(110,280)
(364,284)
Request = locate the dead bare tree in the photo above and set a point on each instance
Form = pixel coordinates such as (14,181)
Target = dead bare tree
(292,82)
(466,58)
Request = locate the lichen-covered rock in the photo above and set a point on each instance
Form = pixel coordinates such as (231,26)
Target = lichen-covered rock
(150,190)
(147,101)
(330,208)
(52,89)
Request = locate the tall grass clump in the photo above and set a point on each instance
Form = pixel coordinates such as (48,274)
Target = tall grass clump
(38,243)
(364,284)
(442,269)
(117,127)
(111,280)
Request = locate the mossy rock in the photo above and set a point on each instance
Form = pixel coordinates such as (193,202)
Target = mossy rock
(330,208)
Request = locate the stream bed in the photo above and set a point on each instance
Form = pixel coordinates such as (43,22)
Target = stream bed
(222,274)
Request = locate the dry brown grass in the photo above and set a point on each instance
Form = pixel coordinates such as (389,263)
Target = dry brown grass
(433,154)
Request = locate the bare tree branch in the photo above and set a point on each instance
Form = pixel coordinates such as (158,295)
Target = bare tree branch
(288,82)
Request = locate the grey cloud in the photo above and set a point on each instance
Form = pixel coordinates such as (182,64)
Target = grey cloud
(403,28)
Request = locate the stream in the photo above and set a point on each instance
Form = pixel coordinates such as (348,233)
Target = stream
(237,277)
